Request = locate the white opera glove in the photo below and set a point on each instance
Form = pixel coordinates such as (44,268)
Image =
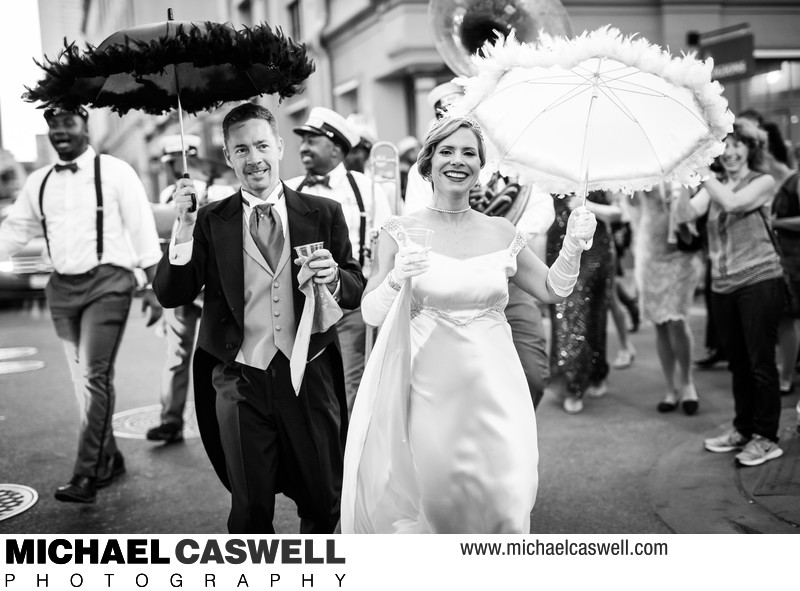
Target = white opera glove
(376,304)
(563,273)
(409,261)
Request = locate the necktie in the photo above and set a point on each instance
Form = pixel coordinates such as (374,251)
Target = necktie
(266,230)
(318,179)
(71,166)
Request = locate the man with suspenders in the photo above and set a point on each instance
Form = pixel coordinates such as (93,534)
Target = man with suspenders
(327,138)
(98,226)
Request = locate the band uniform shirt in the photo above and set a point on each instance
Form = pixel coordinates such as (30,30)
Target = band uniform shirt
(375,206)
(130,239)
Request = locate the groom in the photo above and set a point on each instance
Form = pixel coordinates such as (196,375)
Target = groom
(261,437)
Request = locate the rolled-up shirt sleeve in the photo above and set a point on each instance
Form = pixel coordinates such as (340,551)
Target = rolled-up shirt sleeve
(138,219)
(23,221)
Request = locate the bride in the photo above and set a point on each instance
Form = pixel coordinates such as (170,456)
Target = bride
(442,437)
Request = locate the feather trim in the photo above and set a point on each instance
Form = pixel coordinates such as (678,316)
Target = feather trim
(684,72)
(231,65)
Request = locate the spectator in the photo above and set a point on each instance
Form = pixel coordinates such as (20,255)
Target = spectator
(786,226)
(747,291)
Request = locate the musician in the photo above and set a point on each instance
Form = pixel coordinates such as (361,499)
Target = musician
(522,310)
(358,156)
(327,138)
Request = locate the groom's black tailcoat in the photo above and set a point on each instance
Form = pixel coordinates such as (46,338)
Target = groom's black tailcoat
(217,266)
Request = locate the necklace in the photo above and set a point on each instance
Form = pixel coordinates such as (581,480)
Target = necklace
(432,208)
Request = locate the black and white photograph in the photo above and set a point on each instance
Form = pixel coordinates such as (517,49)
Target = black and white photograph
(275,272)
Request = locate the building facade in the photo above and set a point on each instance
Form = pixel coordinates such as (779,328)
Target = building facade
(378,58)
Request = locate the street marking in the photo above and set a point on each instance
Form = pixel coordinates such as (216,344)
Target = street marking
(20,366)
(16,352)
(16,498)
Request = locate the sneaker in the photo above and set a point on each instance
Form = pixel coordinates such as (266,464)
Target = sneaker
(759,450)
(597,391)
(624,358)
(168,432)
(573,405)
(729,441)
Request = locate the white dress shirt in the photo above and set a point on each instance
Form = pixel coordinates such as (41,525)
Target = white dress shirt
(376,207)
(130,238)
(181,254)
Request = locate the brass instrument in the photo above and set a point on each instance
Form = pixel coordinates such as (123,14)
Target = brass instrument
(502,198)
(460,30)
(462,27)
(384,167)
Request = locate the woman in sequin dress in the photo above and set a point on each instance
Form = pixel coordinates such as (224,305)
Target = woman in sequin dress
(442,437)
(578,364)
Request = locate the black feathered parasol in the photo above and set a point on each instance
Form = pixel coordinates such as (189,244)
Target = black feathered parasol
(150,67)
(174,64)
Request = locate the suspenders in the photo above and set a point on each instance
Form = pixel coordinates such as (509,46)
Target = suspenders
(98,189)
(362,228)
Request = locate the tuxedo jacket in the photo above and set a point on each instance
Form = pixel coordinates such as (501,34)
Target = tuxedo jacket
(217,264)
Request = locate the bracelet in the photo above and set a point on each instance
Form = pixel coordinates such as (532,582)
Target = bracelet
(392,283)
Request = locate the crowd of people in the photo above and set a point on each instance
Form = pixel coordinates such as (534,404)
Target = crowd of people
(399,429)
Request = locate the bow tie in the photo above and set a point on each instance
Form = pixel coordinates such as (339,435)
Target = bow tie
(318,179)
(72,167)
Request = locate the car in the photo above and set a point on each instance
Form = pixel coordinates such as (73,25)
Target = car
(25,276)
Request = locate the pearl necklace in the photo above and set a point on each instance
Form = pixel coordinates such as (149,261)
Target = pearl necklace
(432,208)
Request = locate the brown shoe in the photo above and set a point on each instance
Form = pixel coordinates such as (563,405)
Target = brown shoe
(81,489)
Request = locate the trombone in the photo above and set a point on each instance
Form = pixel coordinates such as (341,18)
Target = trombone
(384,170)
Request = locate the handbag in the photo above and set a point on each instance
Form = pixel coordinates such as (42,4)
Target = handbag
(688,241)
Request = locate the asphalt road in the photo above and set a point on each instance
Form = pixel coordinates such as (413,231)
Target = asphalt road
(600,471)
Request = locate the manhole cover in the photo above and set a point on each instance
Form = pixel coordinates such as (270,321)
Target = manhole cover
(135,423)
(15,498)
(20,366)
(16,352)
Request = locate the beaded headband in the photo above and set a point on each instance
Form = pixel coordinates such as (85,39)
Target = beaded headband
(468,120)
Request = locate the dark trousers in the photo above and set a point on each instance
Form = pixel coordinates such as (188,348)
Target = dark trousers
(747,322)
(712,341)
(275,441)
(527,332)
(181,330)
(89,312)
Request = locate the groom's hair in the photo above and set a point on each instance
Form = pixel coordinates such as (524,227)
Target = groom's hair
(245,112)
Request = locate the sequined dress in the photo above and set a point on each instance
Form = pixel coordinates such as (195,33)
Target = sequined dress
(443,433)
(578,324)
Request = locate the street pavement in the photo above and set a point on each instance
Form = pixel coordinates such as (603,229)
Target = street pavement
(618,467)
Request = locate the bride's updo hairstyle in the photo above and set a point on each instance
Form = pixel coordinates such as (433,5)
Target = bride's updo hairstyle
(444,128)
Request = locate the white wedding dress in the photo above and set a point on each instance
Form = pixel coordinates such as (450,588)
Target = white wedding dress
(443,433)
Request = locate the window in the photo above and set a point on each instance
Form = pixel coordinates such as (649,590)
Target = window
(295,21)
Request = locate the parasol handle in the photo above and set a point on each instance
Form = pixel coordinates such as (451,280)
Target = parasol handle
(193,208)
(587,142)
